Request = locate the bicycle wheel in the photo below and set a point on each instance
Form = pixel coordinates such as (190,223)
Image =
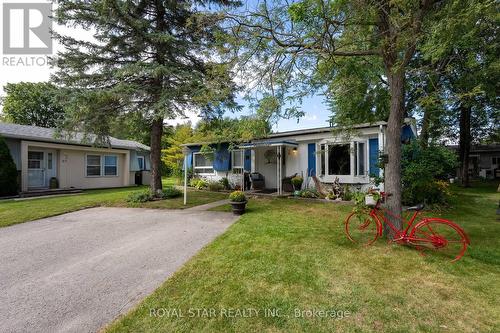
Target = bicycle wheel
(440,236)
(362,228)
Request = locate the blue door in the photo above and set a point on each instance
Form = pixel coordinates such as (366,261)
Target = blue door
(311,159)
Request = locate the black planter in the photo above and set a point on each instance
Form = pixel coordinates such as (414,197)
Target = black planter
(238,207)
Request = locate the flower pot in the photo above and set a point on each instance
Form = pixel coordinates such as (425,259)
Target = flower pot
(53,183)
(370,200)
(238,207)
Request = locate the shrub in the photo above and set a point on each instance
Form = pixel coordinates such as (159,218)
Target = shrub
(425,172)
(8,171)
(170,192)
(309,193)
(194,181)
(140,196)
(237,196)
(215,186)
(202,183)
(347,194)
(225,183)
(198,183)
(297,182)
(331,195)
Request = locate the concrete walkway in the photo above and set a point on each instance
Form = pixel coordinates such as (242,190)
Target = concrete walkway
(78,271)
(208,206)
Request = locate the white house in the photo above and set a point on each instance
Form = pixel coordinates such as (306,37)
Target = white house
(40,155)
(351,155)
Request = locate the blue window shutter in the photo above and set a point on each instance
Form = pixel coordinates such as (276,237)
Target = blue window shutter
(311,159)
(373,149)
(193,149)
(222,159)
(247,165)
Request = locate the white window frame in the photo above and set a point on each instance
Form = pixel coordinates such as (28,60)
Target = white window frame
(202,167)
(365,158)
(495,160)
(237,168)
(41,161)
(104,165)
(102,161)
(327,153)
(143,162)
(87,165)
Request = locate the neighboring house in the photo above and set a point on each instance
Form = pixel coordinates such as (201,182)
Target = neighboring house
(325,152)
(39,155)
(484,161)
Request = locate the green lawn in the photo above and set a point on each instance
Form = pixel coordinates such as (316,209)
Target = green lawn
(12,212)
(286,254)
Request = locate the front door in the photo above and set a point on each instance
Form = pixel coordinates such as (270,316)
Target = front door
(50,166)
(36,169)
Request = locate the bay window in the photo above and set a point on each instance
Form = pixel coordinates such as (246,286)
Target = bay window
(339,159)
(360,158)
(343,159)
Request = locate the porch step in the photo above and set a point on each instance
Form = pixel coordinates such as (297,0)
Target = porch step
(44,192)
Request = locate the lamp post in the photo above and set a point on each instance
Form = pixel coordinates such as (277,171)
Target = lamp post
(185,151)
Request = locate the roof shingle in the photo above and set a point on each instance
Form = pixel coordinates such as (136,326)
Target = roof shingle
(36,133)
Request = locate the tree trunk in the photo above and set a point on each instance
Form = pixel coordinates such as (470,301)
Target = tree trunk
(393,166)
(156,134)
(464,145)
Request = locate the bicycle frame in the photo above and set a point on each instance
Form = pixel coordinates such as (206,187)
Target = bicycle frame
(380,214)
(421,234)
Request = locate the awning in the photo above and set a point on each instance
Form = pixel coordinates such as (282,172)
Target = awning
(268,143)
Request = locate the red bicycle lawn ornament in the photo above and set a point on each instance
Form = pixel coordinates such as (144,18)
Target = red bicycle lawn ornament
(428,234)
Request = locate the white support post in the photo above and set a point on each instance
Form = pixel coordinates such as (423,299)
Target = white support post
(185,179)
(280,191)
(277,170)
(185,151)
(242,154)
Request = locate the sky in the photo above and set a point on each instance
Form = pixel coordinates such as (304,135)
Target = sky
(33,68)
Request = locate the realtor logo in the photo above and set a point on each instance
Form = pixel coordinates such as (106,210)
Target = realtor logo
(26,28)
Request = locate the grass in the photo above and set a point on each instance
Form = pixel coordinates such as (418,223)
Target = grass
(13,212)
(292,255)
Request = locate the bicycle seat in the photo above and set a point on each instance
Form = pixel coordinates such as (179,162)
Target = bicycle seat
(417,207)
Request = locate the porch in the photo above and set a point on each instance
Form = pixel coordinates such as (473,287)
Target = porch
(269,160)
(51,166)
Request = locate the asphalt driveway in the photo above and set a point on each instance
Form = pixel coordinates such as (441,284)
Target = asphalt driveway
(78,271)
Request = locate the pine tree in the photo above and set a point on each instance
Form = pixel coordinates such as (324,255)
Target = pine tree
(8,171)
(154,58)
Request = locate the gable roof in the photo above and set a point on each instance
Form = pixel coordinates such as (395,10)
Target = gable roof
(408,123)
(35,133)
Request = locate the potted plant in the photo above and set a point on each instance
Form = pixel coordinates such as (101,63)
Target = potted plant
(372,197)
(238,202)
(53,182)
(297,184)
